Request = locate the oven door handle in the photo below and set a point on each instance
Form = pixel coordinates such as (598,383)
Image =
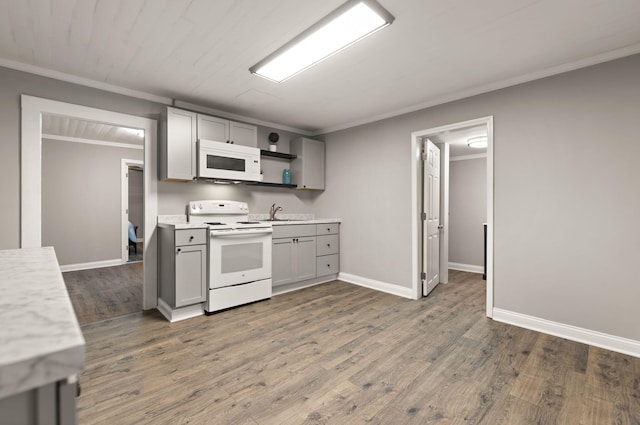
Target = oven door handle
(241,233)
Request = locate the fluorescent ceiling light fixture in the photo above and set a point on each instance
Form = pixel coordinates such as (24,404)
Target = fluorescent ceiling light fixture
(343,27)
(477,142)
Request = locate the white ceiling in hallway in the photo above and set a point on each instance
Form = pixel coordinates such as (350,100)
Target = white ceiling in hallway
(58,125)
(199,51)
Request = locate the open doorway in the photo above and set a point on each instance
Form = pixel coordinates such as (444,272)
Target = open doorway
(82,198)
(454,142)
(33,110)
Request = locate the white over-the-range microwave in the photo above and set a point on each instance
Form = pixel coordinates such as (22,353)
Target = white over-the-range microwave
(227,161)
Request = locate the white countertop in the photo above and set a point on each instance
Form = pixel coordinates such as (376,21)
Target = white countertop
(180,221)
(40,336)
(286,222)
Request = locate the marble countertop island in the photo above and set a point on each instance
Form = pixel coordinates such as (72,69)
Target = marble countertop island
(40,336)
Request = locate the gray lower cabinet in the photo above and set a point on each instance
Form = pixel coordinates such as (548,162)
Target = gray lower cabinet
(51,404)
(183,266)
(303,252)
(327,249)
(293,254)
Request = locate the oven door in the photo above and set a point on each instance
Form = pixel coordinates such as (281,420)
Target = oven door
(239,256)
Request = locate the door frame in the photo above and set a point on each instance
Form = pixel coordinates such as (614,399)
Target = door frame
(32,109)
(124,200)
(416,203)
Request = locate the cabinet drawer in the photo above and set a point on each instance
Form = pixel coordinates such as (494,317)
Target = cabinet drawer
(327,228)
(191,237)
(294,231)
(327,244)
(327,264)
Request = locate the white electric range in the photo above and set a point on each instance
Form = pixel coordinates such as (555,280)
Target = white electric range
(239,253)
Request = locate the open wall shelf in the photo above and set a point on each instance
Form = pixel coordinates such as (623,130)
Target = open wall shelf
(278,155)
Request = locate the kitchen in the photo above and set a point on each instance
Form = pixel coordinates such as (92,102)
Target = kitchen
(367,170)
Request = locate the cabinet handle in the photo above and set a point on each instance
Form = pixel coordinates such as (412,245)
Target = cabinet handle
(329,265)
(179,249)
(190,238)
(329,245)
(328,229)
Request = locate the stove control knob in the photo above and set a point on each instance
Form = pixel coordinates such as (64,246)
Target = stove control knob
(193,207)
(200,206)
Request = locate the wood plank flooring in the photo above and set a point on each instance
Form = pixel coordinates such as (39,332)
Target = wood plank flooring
(342,354)
(107,292)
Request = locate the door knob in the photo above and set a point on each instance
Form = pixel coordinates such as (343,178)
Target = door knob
(441,226)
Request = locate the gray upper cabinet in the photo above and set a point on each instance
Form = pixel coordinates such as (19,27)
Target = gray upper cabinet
(182,129)
(307,170)
(243,134)
(178,147)
(221,130)
(213,128)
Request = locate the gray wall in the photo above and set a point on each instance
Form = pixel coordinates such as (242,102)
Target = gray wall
(467,210)
(12,85)
(566,195)
(172,197)
(81,200)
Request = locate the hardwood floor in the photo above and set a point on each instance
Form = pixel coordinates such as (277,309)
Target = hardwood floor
(107,292)
(342,354)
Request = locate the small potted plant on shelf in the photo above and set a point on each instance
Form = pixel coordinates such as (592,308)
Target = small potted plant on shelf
(273,140)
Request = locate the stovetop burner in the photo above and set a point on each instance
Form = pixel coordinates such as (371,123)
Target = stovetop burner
(248,222)
(214,223)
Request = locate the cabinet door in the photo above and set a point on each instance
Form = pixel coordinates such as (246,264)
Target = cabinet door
(305,258)
(213,128)
(282,270)
(308,168)
(181,145)
(243,134)
(191,274)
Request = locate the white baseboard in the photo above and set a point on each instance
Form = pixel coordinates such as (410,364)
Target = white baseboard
(389,288)
(573,333)
(279,290)
(466,267)
(182,313)
(91,265)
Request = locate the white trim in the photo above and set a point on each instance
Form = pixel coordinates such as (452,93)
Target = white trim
(471,268)
(236,117)
(416,196)
(62,76)
(279,290)
(465,157)
(91,265)
(376,285)
(573,333)
(31,176)
(486,88)
(91,141)
(182,313)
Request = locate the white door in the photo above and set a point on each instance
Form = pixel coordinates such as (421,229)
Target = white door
(431,218)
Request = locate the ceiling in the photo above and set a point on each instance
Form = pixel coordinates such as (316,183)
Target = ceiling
(74,128)
(199,51)
(458,140)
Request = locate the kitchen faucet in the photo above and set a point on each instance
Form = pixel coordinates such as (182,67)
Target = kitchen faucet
(273,210)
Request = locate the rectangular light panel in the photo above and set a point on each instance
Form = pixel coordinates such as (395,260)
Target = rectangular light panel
(345,26)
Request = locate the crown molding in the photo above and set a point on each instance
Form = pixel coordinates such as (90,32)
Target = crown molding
(474,91)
